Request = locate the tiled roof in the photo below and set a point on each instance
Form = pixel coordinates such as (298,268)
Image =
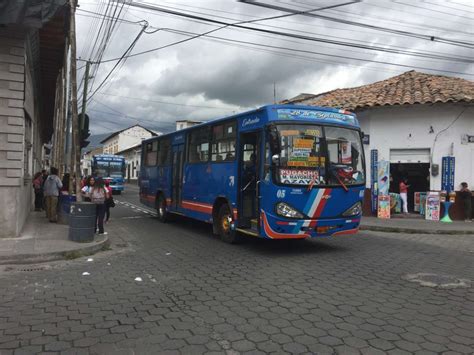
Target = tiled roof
(408,88)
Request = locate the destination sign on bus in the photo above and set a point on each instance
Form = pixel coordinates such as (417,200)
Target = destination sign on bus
(284,114)
(298,177)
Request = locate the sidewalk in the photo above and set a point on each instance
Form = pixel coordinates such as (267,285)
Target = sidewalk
(41,241)
(415,225)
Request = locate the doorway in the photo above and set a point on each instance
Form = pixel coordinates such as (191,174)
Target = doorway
(250,159)
(418,175)
(177,175)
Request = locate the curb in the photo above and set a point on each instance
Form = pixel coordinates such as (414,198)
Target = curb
(414,231)
(85,250)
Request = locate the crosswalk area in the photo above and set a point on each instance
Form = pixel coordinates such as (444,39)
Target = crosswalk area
(136,209)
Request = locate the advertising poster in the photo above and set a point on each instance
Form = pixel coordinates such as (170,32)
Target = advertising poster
(416,204)
(383,177)
(432,209)
(346,154)
(298,177)
(422,202)
(383,210)
(395,203)
(374,157)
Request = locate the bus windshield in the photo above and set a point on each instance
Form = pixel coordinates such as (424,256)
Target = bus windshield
(319,155)
(108,168)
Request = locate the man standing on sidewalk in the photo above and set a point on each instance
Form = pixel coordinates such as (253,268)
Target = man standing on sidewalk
(52,186)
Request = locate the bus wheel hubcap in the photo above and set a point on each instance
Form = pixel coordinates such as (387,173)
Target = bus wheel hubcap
(225,223)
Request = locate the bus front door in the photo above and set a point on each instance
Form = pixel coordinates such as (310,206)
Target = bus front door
(177,175)
(249,180)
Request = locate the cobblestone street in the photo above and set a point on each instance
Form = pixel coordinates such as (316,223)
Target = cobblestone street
(346,295)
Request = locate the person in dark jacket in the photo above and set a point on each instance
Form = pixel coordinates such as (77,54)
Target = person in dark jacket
(465,195)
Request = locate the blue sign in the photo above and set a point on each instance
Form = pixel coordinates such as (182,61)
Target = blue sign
(374,157)
(366,139)
(447,176)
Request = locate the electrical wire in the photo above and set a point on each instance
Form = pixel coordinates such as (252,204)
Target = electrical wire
(365,25)
(286,34)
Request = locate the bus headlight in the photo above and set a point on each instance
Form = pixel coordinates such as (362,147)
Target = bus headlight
(285,210)
(355,210)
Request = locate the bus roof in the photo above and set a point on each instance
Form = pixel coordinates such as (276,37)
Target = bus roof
(300,113)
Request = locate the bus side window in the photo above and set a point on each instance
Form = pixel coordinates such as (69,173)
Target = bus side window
(151,153)
(198,145)
(223,142)
(164,152)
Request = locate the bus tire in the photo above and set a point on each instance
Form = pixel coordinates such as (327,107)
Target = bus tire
(226,233)
(162,214)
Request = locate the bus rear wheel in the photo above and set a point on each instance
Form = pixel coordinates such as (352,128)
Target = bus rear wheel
(162,214)
(224,222)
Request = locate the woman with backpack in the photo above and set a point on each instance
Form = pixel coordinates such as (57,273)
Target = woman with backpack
(98,194)
(38,187)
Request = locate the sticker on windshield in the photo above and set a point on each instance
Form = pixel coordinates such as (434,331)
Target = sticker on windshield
(303,143)
(298,177)
(346,154)
(313,132)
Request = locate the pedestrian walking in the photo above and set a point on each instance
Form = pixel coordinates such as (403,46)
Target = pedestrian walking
(404,194)
(38,187)
(466,195)
(109,203)
(97,194)
(52,186)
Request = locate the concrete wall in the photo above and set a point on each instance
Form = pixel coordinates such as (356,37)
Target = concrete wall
(15,184)
(404,127)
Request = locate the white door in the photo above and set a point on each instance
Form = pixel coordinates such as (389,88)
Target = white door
(416,155)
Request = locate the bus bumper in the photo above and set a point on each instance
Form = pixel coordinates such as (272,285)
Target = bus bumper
(275,227)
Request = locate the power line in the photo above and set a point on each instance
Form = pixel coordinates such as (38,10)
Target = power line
(331,55)
(286,34)
(128,50)
(365,25)
(270,26)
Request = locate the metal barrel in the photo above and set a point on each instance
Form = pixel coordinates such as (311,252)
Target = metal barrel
(82,219)
(64,208)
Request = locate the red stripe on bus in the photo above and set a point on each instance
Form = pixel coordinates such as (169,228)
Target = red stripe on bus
(320,208)
(275,235)
(199,207)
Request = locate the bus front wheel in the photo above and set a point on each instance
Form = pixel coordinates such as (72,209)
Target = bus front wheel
(161,209)
(224,221)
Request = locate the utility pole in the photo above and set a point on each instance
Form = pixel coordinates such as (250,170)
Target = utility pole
(84,94)
(75,118)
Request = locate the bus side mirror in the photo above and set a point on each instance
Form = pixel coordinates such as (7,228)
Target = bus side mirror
(276,159)
(274,140)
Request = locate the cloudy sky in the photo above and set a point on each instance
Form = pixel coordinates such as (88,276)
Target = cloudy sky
(233,69)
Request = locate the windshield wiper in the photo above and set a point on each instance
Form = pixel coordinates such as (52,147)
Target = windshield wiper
(336,175)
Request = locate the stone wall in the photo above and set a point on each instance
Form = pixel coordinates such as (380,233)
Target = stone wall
(15,191)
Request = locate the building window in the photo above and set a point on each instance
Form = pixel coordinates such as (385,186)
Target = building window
(223,142)
(198,150)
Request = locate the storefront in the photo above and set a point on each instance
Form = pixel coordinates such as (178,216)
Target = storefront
(412,132)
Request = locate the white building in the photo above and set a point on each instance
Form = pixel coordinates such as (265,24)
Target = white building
(413,120)
(126,138)
(132,157)
(182,124)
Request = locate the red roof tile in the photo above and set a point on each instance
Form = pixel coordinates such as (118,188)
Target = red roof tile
(408,88)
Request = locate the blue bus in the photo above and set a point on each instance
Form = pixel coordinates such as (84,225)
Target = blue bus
(278,172)
(111,167)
